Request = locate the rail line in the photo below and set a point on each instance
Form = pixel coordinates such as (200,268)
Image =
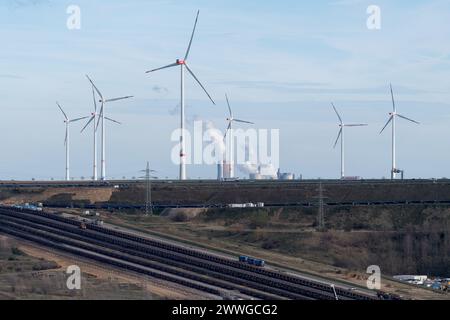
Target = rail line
(197,267)
(306,204)
(191,279)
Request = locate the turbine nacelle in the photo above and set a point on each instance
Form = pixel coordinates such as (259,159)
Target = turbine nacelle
(180,61)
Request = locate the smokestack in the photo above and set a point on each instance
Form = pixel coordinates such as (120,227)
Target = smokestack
(219,171)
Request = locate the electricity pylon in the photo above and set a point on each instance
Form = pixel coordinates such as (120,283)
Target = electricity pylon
(148,189)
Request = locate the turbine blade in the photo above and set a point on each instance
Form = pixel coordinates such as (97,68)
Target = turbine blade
(98,123)
(90,120)
(117,99)
(393,101)
(78,119)
(198,81)
(93,97)
(96,89)
(403,117)
(112,120)
(229,107)
(243,121)
(65,139)
(168,66)
(356,125)
(192,37)
(60,108)
(337,139)
(337,113)
(99,117)
(390,119)
(226,131)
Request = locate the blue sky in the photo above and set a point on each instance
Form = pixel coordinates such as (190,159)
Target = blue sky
(281,64)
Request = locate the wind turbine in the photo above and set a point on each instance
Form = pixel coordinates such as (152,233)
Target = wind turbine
(68,121)
(230,120)
(342,125)
(183,64)
(102,117)
(392,116)
(93,119)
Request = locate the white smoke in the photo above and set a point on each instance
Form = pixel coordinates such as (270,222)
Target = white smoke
(216,137)
(248,167)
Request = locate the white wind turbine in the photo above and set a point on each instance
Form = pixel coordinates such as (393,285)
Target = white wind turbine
(68,121)
(94,126)
(392,117)
(183,64)
(231,119)
(102,117)
(342,125)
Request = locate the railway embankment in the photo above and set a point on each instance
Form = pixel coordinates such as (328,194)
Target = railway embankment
(213,192)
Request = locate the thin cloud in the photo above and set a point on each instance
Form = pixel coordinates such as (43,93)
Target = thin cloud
(11,76)
(274,85)
(25,3)
(322,88)
(159,89)
(346,2)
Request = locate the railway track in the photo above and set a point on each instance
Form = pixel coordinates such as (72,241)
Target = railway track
(194,268)
(119,206)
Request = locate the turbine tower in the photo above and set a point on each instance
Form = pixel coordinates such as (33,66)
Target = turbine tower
(342,125)
(183,64)
(102,117)
(93,119)
(230,120)
(68,121)
(392,117)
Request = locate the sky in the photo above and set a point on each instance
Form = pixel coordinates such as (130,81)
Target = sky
(281,63)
